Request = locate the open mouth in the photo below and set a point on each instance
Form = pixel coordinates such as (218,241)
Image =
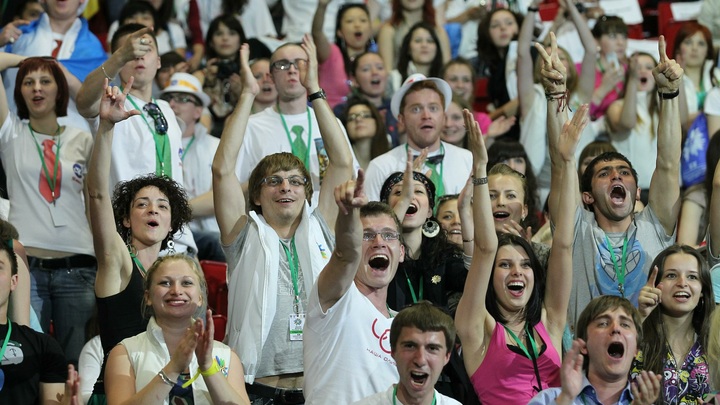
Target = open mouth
(411,209)
(516,287)
(375,82)
(643,80)
(285,200)
(501,215)
(379,262)
(455,232)
(427,126)
(418,378)
(618,193)
(267,88)
(358,35)
(681,296)
(616,350)
(153,224)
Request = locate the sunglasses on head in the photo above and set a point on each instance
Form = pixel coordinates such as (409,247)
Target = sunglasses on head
(161,125)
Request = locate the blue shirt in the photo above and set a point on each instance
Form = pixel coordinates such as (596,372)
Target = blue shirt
(587,396)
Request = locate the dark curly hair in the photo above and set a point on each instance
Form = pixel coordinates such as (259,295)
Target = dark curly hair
(125,192)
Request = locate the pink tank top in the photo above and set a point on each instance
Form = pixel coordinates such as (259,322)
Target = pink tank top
(505,377)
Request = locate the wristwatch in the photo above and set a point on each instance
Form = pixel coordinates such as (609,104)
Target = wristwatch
(317,95)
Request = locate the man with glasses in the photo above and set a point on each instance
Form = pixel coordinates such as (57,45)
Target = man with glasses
(347,346)
(187,100)
(275,251)
(290,125)
(420,107)
(151,141)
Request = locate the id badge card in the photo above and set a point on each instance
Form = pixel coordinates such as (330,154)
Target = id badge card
(59,218)
(296,324)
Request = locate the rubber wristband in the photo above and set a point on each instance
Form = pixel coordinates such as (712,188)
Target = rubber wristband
(669,96)
(533,9)
(317,95)
(212,370)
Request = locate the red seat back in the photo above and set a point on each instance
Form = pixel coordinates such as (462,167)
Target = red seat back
(216,277)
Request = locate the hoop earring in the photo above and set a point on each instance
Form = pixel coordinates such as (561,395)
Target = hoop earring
(430,228)
(171,246)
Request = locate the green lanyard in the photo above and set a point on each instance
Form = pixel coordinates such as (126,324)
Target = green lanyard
(412,290)
(7,339)
(619,271)
(137,263)
(51,182)
(187,148)
(306,159)
(162,143)
(395,396)
(293,264)
(520,344)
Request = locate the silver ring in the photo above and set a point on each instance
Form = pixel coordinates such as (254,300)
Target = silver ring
(12,40)
(143,41)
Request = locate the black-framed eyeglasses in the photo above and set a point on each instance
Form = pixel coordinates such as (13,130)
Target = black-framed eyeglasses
(274,181)
(284,64)
(181,98)
(355,117)
(161,125)
(385,235)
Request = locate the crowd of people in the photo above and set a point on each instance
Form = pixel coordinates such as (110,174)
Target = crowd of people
(388,238)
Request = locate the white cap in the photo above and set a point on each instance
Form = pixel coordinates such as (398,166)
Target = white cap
(442,85)
(187,83)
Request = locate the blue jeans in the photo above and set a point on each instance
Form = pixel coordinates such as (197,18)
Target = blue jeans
(67,297)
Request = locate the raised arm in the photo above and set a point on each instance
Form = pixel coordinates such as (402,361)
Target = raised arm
(110,248)
(586,82)
(228,195)
(340,165)
(560,269)
(554,79)
(91,92)
(525,81)
(338,274)
(714,212)
(321,41)
(466,218)
(7,60)
(664,196)
(622,113)
(472,319)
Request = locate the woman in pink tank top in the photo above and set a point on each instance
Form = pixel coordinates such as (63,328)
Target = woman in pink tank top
(510,324)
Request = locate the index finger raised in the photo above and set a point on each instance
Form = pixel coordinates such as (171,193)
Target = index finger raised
(662,49)
(543,53)
(139,33)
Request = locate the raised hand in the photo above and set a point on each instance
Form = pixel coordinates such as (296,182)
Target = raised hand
(72,395)
(11,32)
(419,161)
(249,83)
(646,388)
(571,373)
(182,356)
(137,45)
(650,295)
(112,103)
(570,135)
(205,339)
(554,74)
(309,71)
(500,125)
(351,194)
(475,139)
(667,73)
(517,230)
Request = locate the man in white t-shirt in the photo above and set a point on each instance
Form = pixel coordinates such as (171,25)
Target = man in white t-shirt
(422,337)
(347,352)
(420,107)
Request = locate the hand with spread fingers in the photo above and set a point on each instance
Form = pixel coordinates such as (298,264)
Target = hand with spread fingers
(205,337)
(554,74)
(476,143)
(571,373)
(650,295)
(646,388)
(668,73)
(309,71)
(112,104)
(571,132)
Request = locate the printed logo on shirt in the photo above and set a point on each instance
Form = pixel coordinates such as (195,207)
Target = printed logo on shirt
(13,354)
(383,350)
(78,173)
(323,159)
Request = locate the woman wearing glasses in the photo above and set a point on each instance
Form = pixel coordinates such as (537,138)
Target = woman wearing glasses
(365,129)
(45,164)
(277,250)
(128,232)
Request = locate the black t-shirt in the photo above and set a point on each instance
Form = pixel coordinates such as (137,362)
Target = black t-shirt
(31,358)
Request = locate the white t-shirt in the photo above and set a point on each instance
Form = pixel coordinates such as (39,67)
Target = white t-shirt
(197,160)
(347,350)
(61,226)
(386,398)
(265,135)
(455,168)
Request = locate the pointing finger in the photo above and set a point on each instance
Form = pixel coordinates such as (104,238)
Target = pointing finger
(662,49)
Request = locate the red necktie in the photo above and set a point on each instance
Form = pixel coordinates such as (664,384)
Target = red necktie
(45,187)
(57,48)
